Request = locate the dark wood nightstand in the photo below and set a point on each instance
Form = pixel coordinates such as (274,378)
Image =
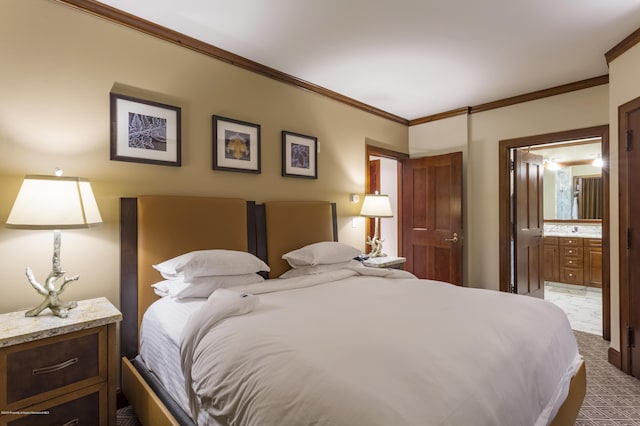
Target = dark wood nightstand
(385,262)
(59,370)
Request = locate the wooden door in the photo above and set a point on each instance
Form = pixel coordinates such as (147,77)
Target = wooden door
(629,169)
(432,217)
(528,226)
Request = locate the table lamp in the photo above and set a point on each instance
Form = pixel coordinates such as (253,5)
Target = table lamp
(376,206)
(53,202)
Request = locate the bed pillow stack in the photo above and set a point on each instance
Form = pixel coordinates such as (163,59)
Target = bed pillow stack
(198,273)
(319,257)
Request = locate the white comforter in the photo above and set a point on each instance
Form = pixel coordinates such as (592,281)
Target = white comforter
(341,348)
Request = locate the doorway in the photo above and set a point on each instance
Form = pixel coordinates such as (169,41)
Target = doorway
(384,174)
(429,210)
(509,273)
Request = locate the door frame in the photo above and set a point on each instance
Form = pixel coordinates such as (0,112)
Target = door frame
(505,146)
(372,150)
(624,357)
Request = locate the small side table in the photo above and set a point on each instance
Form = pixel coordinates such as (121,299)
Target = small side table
(59,370)
(385,262)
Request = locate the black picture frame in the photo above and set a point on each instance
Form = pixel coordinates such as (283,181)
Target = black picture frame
(299,155)
(144,131)
(236,145)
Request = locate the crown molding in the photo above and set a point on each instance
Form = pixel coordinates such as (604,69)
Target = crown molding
(527,97)
(620,48)
(119,17)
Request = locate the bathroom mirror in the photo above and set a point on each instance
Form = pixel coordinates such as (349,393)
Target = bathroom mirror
(573,193)
(572,180)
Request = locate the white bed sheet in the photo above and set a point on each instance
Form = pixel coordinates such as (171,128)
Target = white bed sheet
(160,331)
(277,368)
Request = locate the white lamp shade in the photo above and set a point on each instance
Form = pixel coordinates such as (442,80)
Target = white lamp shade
(50,202)
(375,205)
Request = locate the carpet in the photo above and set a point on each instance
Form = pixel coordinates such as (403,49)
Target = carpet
(126,417)
(613,397)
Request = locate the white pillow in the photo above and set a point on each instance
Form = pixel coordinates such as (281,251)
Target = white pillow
(203,263)
(168,288)
(202,287)
(318,269)
(323,253)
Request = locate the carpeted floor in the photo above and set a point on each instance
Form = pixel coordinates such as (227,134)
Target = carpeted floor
(613,397)
(126,417)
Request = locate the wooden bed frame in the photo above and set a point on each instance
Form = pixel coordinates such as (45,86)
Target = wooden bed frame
(156,228)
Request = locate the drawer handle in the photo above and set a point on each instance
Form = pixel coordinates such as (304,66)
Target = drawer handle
(73,422)
(54,368)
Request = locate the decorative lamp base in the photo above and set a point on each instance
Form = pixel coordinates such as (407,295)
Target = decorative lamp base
(59,308)
(48,290)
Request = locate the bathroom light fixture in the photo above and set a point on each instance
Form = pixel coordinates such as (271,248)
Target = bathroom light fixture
(53,202)
(597,162)
(552,165)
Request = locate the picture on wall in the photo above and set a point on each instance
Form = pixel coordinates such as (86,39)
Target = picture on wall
(236,145)
(144,131)
(299,155)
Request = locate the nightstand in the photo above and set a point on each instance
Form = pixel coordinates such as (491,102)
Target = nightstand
(385,262)
(59,370)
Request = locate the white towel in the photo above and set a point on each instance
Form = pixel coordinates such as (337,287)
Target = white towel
(221,304)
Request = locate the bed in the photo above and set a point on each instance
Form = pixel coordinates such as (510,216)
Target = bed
(269,231)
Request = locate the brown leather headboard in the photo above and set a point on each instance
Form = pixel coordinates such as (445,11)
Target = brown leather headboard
(168,226)
(294,224)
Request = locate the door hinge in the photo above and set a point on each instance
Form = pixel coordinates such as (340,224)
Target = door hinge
(630,337)
(628,238)
(512,165)
(628,144)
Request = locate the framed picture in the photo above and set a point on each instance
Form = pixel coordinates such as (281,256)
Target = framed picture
(299,155)
(144,131)
(236,145)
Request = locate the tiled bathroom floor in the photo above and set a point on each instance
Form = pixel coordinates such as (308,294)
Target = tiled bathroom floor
(583,305)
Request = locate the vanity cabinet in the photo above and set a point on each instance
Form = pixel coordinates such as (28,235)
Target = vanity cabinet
(593,262)
(573,260)
(551,259)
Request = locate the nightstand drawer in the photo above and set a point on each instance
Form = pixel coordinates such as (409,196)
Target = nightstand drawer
(41,367)
(83,410)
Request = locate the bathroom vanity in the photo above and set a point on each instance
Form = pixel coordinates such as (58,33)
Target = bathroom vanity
(573,256)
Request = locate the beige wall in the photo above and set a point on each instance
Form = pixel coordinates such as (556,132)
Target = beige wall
(584,108)
(623,87)
(59,66)
(483,132)
(574,110)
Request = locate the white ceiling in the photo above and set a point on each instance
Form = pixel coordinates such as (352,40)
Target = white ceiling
(411,58)
(570,151)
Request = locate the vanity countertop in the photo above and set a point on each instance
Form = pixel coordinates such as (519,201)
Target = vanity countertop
(573,234)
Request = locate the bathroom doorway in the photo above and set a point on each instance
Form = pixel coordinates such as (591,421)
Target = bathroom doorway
(384,174)
(572,254)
